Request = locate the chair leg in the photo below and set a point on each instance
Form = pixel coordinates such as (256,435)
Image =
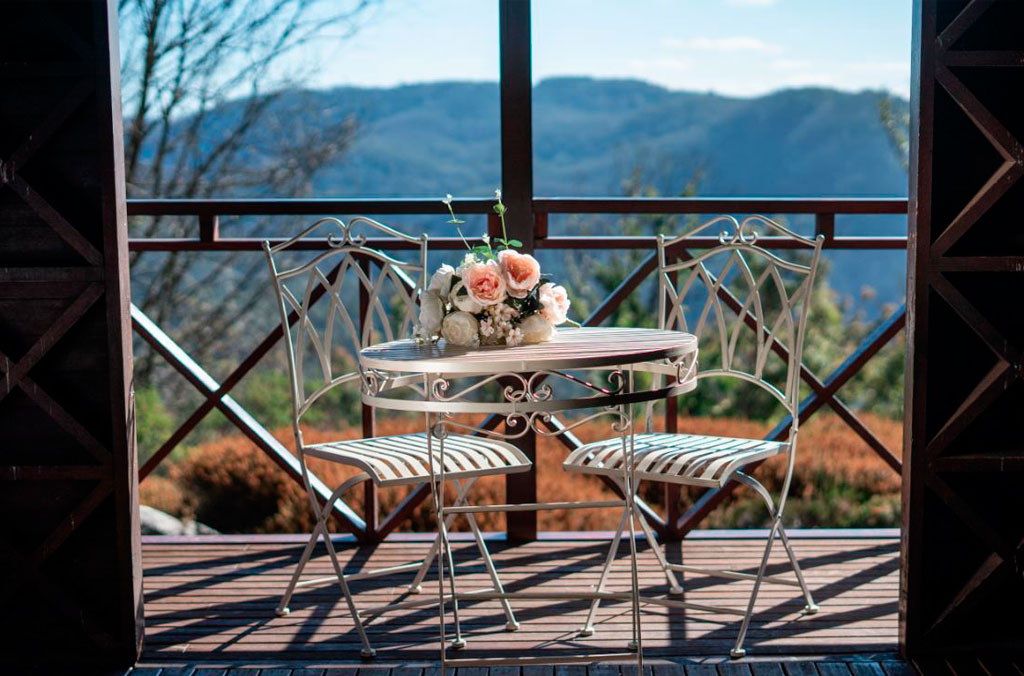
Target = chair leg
(738,650)
(670,576)
(588,626)
(368,650)
(811,607)
(446,546)
(282,607)
(416,586)
(510,618)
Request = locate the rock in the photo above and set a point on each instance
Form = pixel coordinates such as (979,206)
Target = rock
(155,522)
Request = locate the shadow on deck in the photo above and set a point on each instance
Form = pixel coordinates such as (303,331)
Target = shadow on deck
(213,599)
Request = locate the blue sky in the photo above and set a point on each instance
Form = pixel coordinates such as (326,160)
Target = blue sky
(735,47)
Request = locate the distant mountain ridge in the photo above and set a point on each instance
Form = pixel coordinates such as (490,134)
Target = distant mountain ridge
(591,134)
(426,139)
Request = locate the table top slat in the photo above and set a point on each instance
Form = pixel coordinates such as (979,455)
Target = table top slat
(570,349)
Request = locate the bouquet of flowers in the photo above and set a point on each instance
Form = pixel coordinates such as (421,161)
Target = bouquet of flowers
(497,296)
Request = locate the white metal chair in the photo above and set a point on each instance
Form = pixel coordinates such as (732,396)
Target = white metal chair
(327,337)
(751,303)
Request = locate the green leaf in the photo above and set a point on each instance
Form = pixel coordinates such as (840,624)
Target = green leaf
(514,242)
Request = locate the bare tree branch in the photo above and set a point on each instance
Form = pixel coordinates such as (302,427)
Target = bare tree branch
(203,84)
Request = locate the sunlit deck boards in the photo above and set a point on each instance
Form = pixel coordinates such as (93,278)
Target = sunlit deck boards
(215,601)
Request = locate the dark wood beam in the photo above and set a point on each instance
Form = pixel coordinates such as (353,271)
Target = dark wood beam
(516,84)
(70,565)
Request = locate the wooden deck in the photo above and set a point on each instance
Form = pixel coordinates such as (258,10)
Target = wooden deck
(214,599)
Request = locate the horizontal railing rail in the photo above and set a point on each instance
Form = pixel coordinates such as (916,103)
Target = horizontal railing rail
(208,213)
(824,391)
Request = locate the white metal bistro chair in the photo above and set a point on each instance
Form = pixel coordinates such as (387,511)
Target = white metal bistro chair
(326,339)
(752,307)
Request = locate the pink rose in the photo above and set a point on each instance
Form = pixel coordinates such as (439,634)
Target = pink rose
(522,272)
(554,303)
(484,282)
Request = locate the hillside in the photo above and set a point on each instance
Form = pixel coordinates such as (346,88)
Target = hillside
(590,135)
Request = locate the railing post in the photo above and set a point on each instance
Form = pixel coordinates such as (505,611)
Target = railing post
(825,224)
(368,416)
(673,510)
(209,227)
(516,84)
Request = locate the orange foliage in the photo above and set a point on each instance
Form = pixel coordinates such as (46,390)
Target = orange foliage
(232,486)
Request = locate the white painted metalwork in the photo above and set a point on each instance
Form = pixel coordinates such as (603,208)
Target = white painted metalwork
(321,348)
(522,376)
(757,325)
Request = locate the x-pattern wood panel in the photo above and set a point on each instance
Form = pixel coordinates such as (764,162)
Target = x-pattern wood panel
(1005,176)
(74,487)
(34,141)
(956,484)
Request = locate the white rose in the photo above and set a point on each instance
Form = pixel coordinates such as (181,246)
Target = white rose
(536,329)
(461,328)
(554,303)
(464,302)
(431,313)
(441,281)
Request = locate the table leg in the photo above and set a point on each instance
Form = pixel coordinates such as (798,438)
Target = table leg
(629,479)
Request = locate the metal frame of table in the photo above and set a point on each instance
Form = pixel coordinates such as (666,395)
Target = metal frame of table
(430,379)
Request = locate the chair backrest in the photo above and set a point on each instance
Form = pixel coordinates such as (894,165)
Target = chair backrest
(747,305)
(345,296)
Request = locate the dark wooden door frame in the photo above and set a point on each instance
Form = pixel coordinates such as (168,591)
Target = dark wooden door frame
(962,558)
(70,564)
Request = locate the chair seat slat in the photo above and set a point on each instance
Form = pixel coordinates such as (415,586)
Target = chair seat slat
(403,459)
(692,459)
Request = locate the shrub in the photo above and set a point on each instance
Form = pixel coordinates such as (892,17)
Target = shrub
(164,494)
(153,421)
(838,481)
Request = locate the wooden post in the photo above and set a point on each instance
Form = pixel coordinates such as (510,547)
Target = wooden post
(70,561)
(368,414)
(517,192)
(961,575)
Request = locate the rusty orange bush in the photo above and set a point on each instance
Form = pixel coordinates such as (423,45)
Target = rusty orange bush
(838,481)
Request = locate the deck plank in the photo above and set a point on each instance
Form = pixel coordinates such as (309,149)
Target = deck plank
(734,669)
(766,669)
(866,669)
(215,602)
(833,669)
(801,669)
(897,668)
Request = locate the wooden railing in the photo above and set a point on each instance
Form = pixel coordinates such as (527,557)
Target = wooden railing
(520,487)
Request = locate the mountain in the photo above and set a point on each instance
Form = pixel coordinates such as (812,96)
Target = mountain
(590,135)
(429,139)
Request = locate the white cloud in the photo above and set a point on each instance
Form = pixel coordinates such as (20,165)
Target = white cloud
(729,44)
(880,66)
(642,67)
(791,64)
(750,3)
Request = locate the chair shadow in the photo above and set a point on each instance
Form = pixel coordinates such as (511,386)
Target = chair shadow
(414,633)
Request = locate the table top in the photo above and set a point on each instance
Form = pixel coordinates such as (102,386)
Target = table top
(570,349)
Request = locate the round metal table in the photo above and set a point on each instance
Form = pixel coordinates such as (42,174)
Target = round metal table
(389,368)
(587,368)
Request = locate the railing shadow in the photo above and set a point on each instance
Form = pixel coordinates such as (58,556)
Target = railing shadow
(414,634)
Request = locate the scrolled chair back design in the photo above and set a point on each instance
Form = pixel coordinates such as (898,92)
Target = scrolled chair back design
(747,305)
(345,295)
